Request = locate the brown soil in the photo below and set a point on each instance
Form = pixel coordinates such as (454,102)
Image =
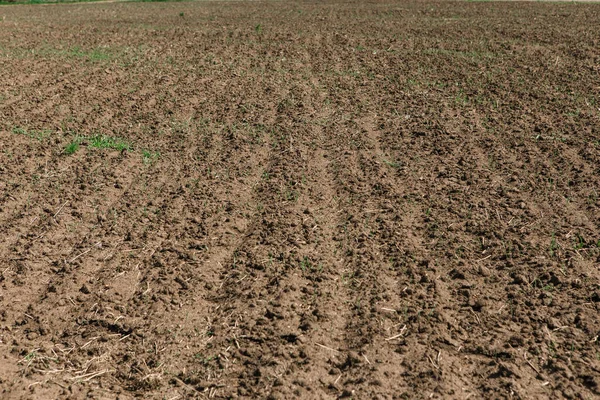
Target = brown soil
(312,200)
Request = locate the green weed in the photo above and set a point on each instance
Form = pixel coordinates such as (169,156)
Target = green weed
(34,134)
(72,147)
(579,242)
(461,99)
(394,164)
(108,142)
(548,288)
(97,54)
(148,157)
(290,194)
(307,266)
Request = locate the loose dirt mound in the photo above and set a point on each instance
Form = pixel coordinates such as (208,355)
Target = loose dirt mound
(273,200)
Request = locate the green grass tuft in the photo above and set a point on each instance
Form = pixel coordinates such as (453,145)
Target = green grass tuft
(148,157)
(33,133)
(108,142)
(72,147)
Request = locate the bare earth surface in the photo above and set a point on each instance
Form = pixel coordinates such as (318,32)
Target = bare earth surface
(312,200)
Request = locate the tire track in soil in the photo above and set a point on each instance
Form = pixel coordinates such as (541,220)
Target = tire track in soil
(372,287)
(283,276)
(222,232)
(413,274)
(350,366)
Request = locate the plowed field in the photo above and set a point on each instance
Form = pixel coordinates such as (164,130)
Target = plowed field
(318,200)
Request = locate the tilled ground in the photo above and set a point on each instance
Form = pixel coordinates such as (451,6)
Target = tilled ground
(313,200)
